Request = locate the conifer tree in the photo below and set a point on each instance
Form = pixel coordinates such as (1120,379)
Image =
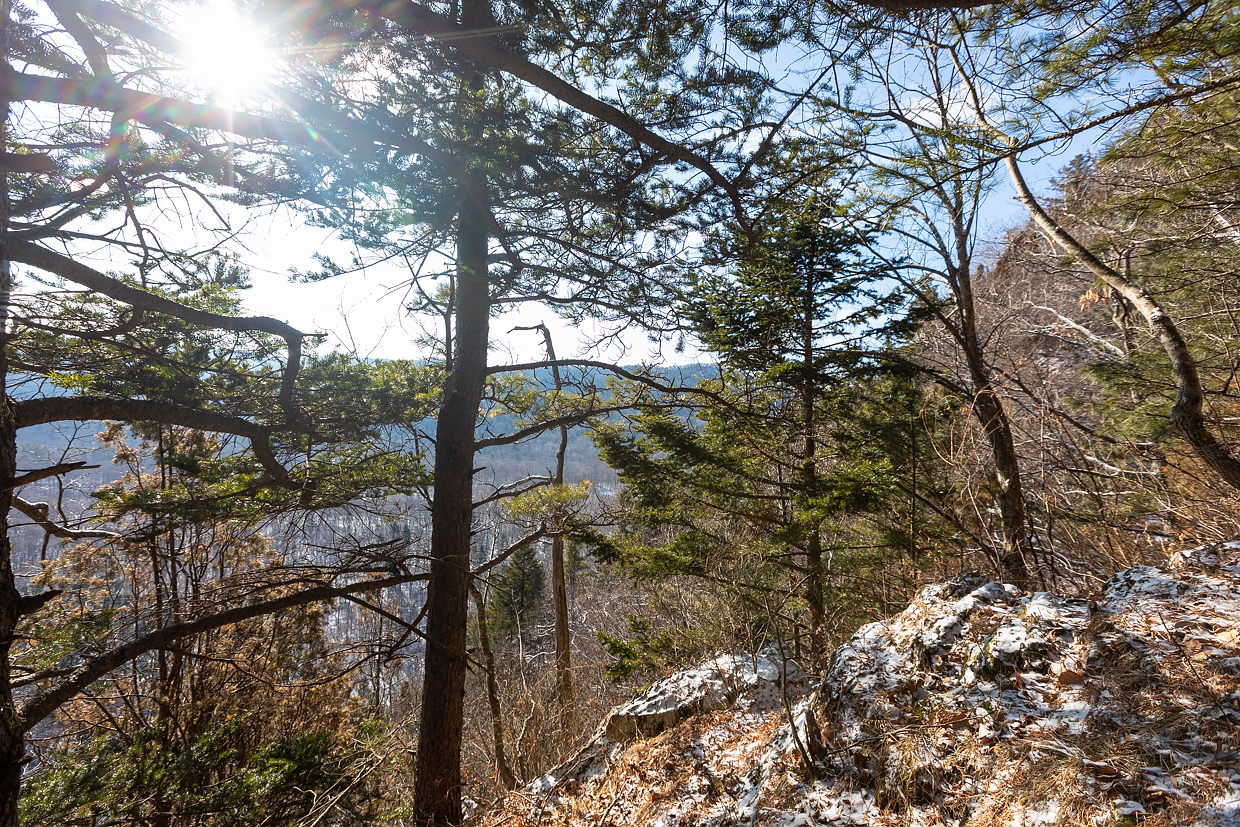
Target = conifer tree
(518,594)
(800,327)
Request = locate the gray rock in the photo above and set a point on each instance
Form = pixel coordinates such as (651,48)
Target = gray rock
(712,685)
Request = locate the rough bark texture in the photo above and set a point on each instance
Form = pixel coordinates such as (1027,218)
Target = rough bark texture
(12,739)
(1186,413)
(1017,553)
(437,787)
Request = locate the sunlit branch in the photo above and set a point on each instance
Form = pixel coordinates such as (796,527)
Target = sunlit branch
(542,427)
(515,489)
(30,412)
(50,471)
(40,513)
(65,267)
(337,134)
(610,368)
(537,534)
(487,52)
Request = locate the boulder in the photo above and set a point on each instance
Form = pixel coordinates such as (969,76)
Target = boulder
(713,685)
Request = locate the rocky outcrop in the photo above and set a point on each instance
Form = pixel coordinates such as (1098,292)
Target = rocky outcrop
(713,685)
(977,705)
(766,677)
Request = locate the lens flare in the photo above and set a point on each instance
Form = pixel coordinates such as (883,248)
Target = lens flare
(227,54)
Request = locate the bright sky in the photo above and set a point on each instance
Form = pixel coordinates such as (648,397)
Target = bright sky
(230,60)
(364,311)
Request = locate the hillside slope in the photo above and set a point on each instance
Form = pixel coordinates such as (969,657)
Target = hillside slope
(976,705)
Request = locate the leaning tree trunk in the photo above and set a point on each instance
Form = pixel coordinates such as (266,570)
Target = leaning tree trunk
(12,738)
(1186,414)
(437,787)
(1017,553)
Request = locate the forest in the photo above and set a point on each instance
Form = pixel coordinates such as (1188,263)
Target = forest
(942,286)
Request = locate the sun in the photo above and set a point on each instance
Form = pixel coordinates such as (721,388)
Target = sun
(227,53)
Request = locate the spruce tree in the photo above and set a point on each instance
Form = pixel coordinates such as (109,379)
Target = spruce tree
(753,488)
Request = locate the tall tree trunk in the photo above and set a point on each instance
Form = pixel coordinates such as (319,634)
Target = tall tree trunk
(559,584)
(563,658)
(1186,414)
(12,738)
(809,477)
(559,581)
(437,782)
(437,786)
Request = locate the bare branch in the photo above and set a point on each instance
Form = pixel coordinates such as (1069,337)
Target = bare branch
(537,534)
(44,473)
(45,702)
(40,513)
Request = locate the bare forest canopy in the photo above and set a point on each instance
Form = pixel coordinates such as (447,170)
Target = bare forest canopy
(247,578)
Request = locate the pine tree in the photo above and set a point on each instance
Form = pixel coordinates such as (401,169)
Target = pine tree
(518,595)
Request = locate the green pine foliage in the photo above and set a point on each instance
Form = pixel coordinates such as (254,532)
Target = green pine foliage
(148,778)
(518,595)
(795,487)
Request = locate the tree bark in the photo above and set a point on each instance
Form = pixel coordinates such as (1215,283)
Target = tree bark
(437,782)
(809,476)
(437,786)
(1016,554)
(563,657)
(559,581)
(12,739)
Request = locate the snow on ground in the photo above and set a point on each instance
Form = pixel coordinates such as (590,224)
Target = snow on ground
(977,705)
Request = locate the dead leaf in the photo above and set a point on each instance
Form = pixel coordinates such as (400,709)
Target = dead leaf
(1069,678)
(1101,768)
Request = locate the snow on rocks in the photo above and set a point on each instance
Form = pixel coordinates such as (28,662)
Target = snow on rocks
(713,685)
(978,704)
(762,679)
